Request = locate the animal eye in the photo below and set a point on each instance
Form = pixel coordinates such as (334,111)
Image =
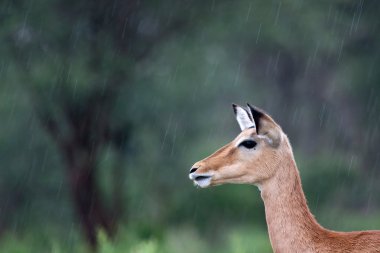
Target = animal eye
(248,144)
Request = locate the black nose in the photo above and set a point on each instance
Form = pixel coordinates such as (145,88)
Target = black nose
(193,170)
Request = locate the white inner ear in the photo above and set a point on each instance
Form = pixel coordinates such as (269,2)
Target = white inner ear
(243,118)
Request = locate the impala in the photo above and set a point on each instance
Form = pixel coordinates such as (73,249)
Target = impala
(261,155)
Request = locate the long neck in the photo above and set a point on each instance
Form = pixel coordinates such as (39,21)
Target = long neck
(291,226)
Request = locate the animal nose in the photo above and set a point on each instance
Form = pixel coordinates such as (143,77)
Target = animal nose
(193,170)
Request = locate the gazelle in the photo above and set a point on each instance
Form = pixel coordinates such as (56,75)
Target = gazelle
(261,155)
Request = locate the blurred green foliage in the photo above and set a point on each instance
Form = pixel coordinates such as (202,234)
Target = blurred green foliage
(170,70)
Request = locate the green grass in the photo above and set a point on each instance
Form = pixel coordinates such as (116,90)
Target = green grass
(138,238)
(185,239)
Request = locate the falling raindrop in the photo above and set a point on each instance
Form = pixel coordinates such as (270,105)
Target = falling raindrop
(258,34)
(249,12)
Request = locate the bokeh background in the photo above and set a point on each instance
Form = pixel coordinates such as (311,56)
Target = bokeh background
(105,105)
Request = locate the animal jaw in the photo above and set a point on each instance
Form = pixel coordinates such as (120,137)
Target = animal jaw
(201,180)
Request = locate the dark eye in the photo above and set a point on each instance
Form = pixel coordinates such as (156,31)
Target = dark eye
(248,144)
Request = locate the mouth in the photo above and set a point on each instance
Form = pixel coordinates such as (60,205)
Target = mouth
(201,180)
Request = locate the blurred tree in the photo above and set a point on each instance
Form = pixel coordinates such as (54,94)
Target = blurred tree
(73,57)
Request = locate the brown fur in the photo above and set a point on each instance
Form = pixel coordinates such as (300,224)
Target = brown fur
(292,228)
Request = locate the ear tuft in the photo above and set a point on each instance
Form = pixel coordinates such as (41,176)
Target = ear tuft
(234,107)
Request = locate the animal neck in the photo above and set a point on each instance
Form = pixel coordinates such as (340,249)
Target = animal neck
(291,226)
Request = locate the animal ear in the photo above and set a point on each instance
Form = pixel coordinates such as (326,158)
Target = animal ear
(266,127)
(243,117)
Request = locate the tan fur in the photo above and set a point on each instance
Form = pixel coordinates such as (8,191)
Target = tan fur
(271,166)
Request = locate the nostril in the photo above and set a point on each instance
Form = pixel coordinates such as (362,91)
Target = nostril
(193,170)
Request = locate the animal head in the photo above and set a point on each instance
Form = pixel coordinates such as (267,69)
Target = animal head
(251,158)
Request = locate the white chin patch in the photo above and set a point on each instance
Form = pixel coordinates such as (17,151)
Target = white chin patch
(203,182)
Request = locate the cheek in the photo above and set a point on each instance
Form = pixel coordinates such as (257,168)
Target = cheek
(234,170)
(264,166)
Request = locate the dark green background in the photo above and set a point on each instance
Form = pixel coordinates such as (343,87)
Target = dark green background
(143,89)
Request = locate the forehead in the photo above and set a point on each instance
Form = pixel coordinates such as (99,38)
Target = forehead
(246,133)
